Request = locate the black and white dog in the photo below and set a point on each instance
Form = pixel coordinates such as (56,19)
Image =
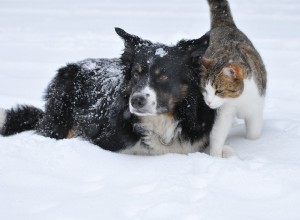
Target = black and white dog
(147,102)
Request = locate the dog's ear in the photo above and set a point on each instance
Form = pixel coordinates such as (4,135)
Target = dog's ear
(194,50)
(131,43)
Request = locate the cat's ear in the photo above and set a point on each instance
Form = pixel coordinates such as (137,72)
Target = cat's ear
(229,71)
(207,63)
(234,71)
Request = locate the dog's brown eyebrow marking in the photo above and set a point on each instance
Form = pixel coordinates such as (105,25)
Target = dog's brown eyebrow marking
(157,71)
(183,89)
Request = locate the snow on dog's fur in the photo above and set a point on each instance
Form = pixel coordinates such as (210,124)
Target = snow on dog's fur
(147,102)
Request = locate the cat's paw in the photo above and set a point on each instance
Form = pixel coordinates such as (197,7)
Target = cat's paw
(253,135)
(229,152)
(215,152)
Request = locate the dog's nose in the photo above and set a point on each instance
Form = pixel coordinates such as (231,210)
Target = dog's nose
(138,101)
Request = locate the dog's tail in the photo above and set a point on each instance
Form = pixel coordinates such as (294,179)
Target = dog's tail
(220,14)
(21,118)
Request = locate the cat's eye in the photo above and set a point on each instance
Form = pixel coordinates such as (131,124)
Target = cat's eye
(163,77)
(219,91)
(203,90)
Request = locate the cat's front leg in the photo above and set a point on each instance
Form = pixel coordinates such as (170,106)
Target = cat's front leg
(220,132)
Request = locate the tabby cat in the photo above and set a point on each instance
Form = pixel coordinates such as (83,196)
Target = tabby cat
(233,78)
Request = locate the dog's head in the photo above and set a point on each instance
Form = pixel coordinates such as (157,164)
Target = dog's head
(160,76)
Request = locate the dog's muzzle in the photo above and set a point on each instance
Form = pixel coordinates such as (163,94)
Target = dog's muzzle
(143,103)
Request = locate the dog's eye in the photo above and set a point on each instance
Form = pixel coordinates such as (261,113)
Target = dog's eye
(163,70)
(163,77)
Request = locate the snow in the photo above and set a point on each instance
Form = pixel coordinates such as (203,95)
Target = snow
(42,178)
(161,52)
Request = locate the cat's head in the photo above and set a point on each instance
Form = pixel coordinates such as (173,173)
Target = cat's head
(220,82)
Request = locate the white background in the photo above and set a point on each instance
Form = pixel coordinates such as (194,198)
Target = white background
(41,178)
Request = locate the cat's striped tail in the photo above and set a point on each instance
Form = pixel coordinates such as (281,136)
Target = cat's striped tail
(21,118)
(220,14)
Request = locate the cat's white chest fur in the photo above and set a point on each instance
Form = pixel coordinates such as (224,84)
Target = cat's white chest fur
(248,103)
(248,106)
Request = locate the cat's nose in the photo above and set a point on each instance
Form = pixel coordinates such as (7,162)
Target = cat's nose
(208,102)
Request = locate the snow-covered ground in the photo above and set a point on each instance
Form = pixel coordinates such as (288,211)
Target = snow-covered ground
(41,178)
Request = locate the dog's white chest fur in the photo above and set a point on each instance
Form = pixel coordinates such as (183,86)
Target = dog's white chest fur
(162,135)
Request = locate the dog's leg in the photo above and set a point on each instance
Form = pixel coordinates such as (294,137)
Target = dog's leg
(58,119)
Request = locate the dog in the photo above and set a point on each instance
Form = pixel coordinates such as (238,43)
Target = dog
(145,103)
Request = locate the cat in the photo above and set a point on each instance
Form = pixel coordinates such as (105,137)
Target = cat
(234,78)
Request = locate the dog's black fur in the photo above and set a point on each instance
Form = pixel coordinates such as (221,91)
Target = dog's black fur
(91,98)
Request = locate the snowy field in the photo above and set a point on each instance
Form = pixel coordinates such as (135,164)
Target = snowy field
(45,179)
